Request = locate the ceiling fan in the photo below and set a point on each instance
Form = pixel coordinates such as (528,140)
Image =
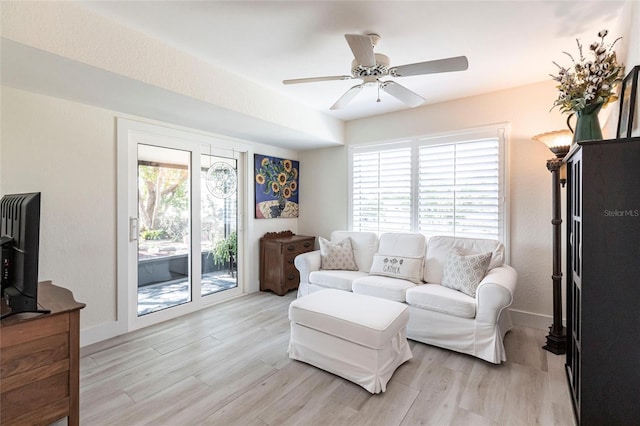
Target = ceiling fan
(370,67)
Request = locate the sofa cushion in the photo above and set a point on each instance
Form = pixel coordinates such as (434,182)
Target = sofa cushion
(341,280)
(402,244)
(464,273)
(439,248)
(382,287)
(364,244)
(407,268)
(400,255)
(337,256)
(435,297)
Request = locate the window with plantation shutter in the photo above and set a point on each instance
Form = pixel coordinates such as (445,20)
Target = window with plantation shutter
(445,185)
(459,189)
(381,188)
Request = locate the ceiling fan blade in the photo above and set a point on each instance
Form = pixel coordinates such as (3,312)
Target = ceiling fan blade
(362,49)
(347,97)
(402,93)
(458,63)
(314,79)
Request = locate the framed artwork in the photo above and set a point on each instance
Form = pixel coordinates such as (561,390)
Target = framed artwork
(277,187)
(628,122)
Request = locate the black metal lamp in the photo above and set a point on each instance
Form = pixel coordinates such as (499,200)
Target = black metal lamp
(559,142)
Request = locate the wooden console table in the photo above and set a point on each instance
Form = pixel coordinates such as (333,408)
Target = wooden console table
(39,361)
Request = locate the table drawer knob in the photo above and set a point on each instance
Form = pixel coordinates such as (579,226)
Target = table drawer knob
(291,247)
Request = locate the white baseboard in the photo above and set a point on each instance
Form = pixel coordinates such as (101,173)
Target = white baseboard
(532,320)
(101,332)
(107,331)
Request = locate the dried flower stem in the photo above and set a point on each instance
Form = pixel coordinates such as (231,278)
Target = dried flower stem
(588,82)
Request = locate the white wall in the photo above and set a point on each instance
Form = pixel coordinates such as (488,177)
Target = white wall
(67,151)
(323,191)
(632,54)
(81,43)
(628,53)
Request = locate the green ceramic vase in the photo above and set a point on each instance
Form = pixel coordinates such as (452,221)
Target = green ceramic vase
(587,124)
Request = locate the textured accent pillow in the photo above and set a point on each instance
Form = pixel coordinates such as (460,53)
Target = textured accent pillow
(407,268)
(337,256)
(464,273)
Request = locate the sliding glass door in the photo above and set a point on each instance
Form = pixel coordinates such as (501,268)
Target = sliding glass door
(164,219)
(219,223)
(183,220)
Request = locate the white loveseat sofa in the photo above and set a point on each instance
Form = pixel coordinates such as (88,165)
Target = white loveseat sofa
(438,315)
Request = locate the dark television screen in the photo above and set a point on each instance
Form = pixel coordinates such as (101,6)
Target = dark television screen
(20,233)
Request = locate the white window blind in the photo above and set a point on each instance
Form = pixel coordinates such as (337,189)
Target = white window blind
(449,185)
(459,189)
(381,188)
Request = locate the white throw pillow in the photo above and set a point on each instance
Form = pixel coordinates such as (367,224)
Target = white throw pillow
(464,273)
(337,256)
(407,268)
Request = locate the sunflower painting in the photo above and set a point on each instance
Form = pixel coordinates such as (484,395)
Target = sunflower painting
(276,187)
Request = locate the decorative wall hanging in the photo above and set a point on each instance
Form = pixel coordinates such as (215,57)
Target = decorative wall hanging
(276,187)
(629,119)
(222,180)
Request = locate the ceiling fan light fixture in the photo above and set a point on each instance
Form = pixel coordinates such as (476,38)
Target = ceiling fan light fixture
(380,69)
(370,66)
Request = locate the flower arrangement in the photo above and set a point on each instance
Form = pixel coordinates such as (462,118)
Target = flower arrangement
(279,177)
(589,81)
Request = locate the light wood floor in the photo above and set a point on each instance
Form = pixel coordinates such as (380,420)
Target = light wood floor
(228,365)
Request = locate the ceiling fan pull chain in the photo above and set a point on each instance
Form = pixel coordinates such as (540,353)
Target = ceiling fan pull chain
(379,83)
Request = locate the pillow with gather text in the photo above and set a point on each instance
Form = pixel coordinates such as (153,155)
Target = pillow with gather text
(337,256)
(464,273)
(407,268)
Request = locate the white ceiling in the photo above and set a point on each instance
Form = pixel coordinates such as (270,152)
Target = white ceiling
(508,43)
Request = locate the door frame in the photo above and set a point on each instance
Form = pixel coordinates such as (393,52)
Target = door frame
(129,134)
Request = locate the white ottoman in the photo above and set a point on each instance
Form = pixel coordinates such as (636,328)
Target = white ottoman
(360,338)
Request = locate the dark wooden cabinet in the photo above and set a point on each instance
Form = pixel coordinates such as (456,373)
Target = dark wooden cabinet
(603,281)
(40,358)
(277,252)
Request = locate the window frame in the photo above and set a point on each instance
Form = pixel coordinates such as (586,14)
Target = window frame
(499,131)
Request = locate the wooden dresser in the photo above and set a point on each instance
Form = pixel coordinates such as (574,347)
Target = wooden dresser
(277,252)
(39,361)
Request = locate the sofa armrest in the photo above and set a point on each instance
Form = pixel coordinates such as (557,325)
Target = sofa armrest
(307,263)
(495,293)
